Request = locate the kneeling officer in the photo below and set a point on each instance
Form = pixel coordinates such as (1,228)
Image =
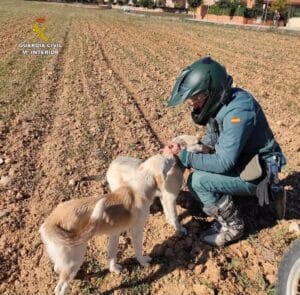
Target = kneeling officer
(244,158)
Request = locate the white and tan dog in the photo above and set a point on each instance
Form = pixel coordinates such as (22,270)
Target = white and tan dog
(123,169)
(67,230)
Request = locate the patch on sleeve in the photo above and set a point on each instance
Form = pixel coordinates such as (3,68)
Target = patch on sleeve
(235,120)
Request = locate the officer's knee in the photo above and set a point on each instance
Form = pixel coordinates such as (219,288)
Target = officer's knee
(196,179)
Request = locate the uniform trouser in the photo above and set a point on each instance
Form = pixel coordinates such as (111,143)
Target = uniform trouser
(209,187)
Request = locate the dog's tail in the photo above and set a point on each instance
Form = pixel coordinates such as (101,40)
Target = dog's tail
(55,233)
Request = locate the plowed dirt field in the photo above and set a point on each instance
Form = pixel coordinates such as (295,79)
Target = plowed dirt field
(66,116)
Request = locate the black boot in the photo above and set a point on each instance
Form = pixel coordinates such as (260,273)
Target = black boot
(228,228)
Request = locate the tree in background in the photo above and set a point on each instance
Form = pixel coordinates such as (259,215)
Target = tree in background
(282,7)
(279,5)
(146,3)
(160,3)
(122,2)
(179,4)
(193,4)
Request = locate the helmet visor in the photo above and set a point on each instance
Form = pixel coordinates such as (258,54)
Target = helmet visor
(180,96)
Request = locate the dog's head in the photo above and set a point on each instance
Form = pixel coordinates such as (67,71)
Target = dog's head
(190,143)
(184,141)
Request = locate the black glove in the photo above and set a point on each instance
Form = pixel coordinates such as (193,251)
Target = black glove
(262,191)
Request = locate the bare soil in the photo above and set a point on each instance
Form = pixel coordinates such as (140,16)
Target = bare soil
(67,116)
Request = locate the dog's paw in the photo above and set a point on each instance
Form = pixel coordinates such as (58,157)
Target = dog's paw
(144,260)
(116,268)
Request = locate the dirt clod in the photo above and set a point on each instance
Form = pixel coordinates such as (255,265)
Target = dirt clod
(202,290)
(294,227)
(5,181)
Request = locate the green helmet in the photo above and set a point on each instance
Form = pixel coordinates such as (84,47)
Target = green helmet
(203,75)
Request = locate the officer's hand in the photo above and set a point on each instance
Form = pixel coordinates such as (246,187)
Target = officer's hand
(171,149)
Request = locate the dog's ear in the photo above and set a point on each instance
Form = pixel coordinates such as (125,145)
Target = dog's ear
(168,163)
(185,141)
(181,142)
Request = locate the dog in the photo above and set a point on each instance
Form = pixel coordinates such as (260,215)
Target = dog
(123,169)
(69,227)
(192,144)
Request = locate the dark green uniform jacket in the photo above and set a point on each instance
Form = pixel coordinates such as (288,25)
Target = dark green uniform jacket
(243,131)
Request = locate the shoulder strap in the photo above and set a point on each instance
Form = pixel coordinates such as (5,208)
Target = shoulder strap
(215,130)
